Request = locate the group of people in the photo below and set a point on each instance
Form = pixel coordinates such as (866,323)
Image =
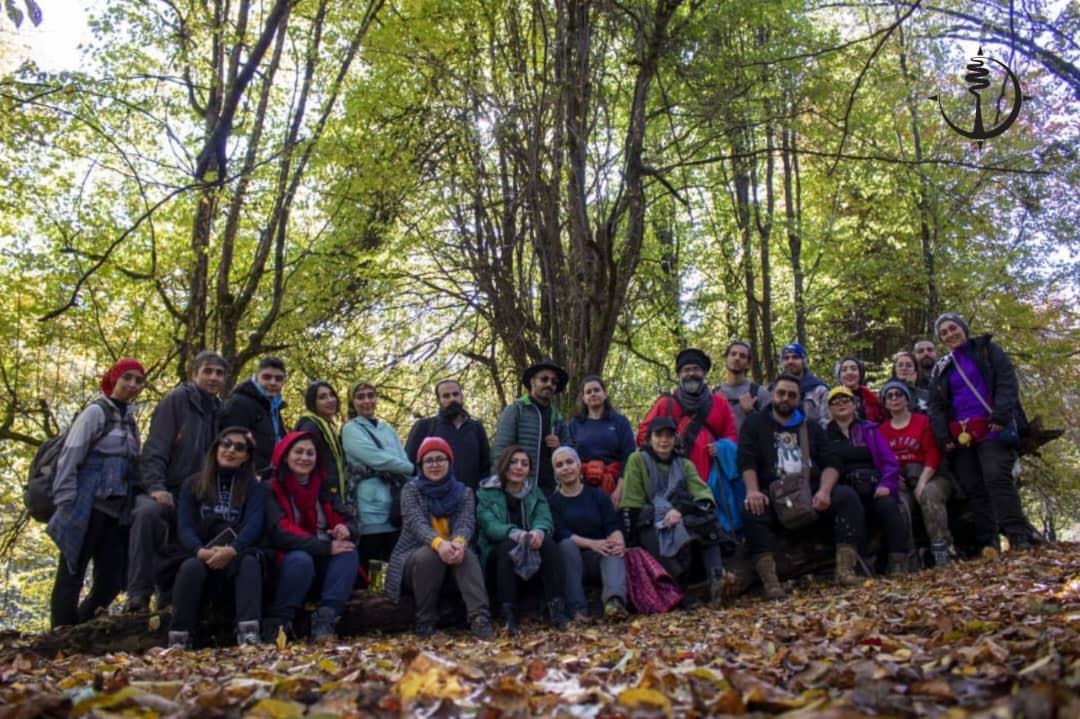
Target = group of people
(223,505)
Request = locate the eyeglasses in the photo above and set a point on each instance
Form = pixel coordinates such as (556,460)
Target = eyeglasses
(435,461)
(788,393)
(545,378)
(364,395)
(235,445)
(840,400)
(895,394)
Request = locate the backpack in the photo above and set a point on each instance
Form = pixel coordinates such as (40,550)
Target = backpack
(650,588)
(38,492)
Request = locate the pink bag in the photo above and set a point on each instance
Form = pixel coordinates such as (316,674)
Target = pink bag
(651,588)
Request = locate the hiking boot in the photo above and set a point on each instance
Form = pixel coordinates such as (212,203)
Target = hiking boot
(940,552)
(897,565)
(481,627)
(247,633)
(323,624)
(846,560)
(990,553)
(509,619)
(1019,542)
(765,565)
(721,588)
(137,605)
(615,609)
(689,602)
(425,629)
(556,610)
(179,640)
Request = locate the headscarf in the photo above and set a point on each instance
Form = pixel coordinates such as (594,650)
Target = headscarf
(444,496)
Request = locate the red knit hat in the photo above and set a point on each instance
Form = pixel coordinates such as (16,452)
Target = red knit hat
(108,382)
(434,444)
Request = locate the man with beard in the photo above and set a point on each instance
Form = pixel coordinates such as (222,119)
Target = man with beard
(744,395)
(926,358)
(534,423)
(772,444)
(700,416)
(812,389)
(465,435)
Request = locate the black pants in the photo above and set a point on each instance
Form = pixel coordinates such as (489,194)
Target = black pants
(240,580)
(105,543)
(500,569)
(884,513)
(985,474)
(845,516)
(151,525)
(679,565)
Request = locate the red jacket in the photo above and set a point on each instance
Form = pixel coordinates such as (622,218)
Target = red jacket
(719,424)
(914,443)
(871,405)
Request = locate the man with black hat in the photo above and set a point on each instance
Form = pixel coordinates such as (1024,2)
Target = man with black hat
(533,422)
(701,416)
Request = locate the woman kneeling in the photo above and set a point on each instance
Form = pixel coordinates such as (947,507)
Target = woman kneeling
(437,519)
(308,525)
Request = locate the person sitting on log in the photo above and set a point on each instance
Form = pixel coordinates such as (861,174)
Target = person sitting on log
(912,441)
(309,526)
(220,523)
(781,443)
(851,373)
(590,538)
(870,468)
(672,513)
(438,518)
(516,538)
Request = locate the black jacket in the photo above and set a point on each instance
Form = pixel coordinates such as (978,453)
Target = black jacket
(182,429)
(472,450)
(757,447)
(1000,376)
(247,407)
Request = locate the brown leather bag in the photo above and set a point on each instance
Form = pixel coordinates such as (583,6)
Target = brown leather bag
(790,494)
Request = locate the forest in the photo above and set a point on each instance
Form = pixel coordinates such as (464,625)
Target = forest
(404,190)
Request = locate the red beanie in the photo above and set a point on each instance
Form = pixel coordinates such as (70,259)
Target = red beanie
(108,382)
(434,444)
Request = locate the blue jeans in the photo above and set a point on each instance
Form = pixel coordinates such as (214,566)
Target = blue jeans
(580,565)
(297,574)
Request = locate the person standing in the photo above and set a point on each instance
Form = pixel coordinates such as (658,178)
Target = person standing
(95,471)
(321,418)
(812,389)
(602,438)
(926,356)
(182,428)
(700,416)
(533,423)
(465,435)
(743,395)
(256,403)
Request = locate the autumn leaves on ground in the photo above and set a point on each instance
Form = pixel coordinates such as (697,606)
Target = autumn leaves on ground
(986,638)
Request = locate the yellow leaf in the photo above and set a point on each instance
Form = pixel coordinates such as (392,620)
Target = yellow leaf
(328,666)
(275,709)
(281,640)
(155,623)
(429,677)
(645,699)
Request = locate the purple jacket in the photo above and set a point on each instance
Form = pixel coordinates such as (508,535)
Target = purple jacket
(884,459)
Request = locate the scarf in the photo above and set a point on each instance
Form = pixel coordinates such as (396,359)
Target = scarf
(334,444)
(305,497)
(669,539)
(442,497)
(692,403)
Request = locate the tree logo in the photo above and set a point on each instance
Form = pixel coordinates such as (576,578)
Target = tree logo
(978,79)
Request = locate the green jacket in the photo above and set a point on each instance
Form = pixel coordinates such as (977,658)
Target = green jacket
(636,481)
(493,521)
(519,424)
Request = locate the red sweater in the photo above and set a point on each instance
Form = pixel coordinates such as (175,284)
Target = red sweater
(913,443)
(719,424)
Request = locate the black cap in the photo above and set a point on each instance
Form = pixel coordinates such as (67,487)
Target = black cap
(659,423)
(692,356)
(561,377)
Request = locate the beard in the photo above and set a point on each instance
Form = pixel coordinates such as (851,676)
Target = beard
(452,410)
(692,385)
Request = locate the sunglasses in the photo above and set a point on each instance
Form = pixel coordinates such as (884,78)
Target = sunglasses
(546,379)
(235,445)
(895,394)
(840,400)
(786,393)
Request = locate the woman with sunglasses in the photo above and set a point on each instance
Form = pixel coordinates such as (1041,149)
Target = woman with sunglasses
(310,527)
(219,523)
(378,467)
(870,468)
(321,419)
(912,441)
(93,477)
(438,517)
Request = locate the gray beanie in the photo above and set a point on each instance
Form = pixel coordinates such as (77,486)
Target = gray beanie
(951,317)
(895,384)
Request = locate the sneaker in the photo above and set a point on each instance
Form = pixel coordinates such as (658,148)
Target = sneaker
(615,609)
(482,628)
(247,633)
(179,640)
(425,629)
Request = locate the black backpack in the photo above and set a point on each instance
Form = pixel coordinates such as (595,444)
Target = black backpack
(38,492)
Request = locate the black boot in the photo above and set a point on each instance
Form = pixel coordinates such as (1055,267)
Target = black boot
(509,619)
(557,613)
